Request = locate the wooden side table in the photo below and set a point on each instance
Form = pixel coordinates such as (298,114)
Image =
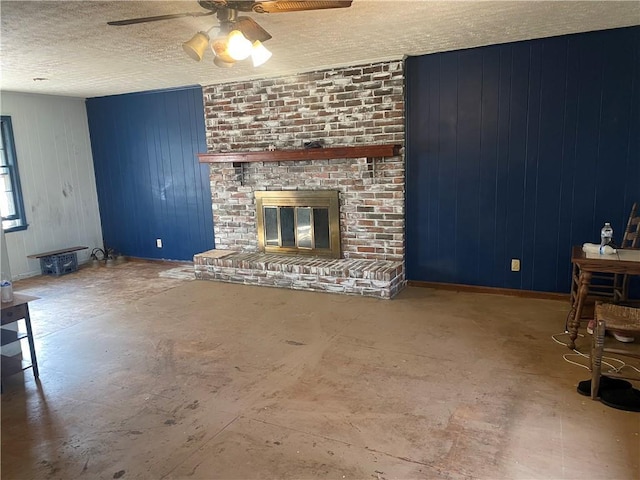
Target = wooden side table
(12,313)
(625,262)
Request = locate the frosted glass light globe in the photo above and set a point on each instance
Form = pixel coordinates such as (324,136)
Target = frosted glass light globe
(238,46)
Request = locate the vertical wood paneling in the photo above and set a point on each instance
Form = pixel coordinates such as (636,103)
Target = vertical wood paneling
(447,169)
(431,191)
(548,189)
(488,168)
(498,274)
(421,217)
(531,165)
(569,220)
(520,151)
(150,184)
(57,177)
(517,155)
(468,147)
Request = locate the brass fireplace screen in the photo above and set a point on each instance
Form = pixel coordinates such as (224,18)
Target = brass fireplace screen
(299,222)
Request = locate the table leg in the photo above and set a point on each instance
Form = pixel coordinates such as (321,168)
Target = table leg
(32,347)
(574,321)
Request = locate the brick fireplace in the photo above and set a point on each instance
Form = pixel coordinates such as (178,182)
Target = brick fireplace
(353,108)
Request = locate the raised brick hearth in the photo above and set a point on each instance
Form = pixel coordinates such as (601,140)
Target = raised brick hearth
(375,278)
(348,107)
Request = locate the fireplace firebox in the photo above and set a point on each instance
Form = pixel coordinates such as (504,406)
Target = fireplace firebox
(299,222)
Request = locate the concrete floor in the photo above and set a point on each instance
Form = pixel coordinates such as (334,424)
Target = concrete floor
(144,376)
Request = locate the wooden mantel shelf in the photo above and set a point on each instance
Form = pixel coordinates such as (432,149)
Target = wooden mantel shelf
(368,151)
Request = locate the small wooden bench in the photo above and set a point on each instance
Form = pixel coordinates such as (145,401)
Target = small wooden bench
(58,262)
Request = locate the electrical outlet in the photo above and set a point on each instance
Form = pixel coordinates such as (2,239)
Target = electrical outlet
(159,242)
(515,265)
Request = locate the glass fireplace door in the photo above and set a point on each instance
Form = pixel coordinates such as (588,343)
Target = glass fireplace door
(299,222)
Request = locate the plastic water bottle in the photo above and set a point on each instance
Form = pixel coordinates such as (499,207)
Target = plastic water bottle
(606,235)
(7,291)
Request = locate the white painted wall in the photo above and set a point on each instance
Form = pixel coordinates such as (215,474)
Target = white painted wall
(57,177)
(5,266)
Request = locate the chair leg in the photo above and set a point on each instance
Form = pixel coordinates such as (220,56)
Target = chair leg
(597,347)
(625,288)
(620,288)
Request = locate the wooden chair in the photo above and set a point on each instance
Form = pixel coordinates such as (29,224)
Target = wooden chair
(631,239)
(621,319)
(610,287)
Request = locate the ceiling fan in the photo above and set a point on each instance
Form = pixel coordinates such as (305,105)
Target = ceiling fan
(240,36)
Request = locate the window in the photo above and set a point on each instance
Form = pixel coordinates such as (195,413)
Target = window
(11,205)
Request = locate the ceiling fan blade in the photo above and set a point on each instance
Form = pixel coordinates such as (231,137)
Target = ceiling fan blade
(281,6)
(133,21)
(251,29)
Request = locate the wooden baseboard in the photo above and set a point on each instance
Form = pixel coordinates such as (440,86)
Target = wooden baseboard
(493,290)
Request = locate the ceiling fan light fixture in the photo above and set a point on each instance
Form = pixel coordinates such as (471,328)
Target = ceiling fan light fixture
(218,62)
(238,46)
(245,35)
(196,47)
(259,53)
(220,47)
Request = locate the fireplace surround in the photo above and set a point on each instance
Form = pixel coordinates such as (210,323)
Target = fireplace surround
(357,113)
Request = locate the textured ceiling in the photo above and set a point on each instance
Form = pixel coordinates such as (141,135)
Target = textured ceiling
(70,45)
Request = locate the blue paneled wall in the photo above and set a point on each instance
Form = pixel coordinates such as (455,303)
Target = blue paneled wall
(520,151)
(150,184)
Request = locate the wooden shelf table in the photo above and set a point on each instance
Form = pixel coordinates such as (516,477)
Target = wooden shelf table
(12,313)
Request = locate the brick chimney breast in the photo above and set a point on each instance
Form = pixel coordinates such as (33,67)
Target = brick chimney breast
(362,105)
